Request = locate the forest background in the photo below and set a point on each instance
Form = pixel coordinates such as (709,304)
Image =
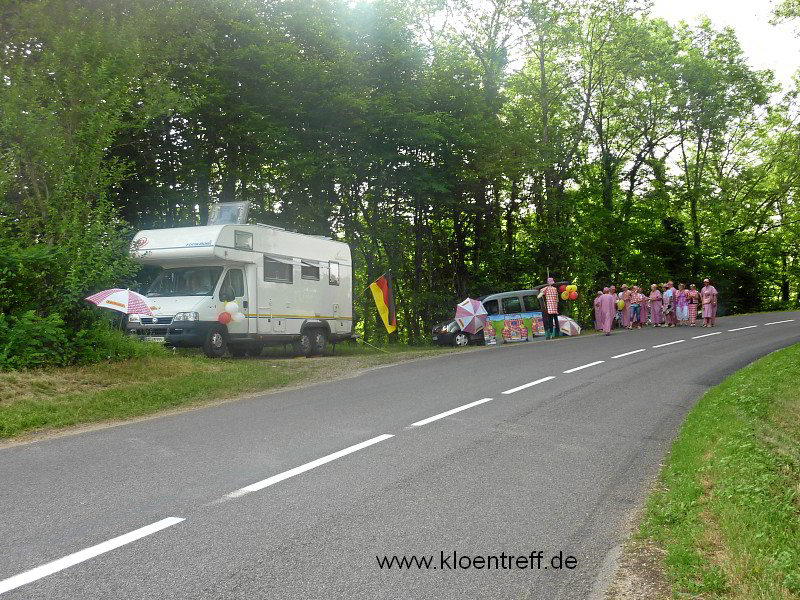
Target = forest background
(468,146)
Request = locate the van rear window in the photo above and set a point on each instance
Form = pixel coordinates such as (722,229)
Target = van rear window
(531,303)
(511,305)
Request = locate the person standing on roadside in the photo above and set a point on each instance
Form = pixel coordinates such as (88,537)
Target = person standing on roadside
(709,297)
(669,304)
(608,310)
(617,316)
(636,304)
(692,299)
(682,305)
(625,296)
(550,312)
(597,323)
(655,305)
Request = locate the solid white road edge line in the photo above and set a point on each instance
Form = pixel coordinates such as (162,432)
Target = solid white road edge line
(527,385)
(449,412)
(668,344)
(260,485)
(740,328)
(83,555)
(697,337)
(777,322)
(597,362)
(629,353)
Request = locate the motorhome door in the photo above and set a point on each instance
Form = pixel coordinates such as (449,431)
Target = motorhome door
(234,284)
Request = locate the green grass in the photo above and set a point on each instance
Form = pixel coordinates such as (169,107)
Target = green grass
(56,398)
(727,507)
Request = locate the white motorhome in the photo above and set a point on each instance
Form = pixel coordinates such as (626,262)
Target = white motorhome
(240,287)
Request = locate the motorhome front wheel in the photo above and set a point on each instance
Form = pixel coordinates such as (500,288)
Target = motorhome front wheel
(215,344)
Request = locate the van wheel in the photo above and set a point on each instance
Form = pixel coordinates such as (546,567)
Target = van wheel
(302,346)
(319,341)
(215,345)
(237,351)
(254,351)
(461,339)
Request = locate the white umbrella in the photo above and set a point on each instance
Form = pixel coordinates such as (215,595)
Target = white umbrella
(568,326)
(471,315)
(124,301)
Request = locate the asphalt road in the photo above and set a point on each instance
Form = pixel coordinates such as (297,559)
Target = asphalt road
(294,494)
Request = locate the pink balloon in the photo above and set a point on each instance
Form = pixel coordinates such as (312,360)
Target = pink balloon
(573,295)
(224,318)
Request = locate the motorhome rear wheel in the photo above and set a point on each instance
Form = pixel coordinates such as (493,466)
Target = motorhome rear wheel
(319,341)
(302,345)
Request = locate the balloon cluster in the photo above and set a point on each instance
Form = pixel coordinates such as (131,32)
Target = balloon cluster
(231,313)
(569,292)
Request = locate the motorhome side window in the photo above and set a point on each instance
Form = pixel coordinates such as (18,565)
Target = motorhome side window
(309,270)
(279,270)
(333,278)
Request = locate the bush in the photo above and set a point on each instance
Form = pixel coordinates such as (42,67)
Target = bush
(100,341)
(31,341)
(28,341)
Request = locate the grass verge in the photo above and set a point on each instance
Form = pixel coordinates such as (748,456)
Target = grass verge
(727,506)
(156,381)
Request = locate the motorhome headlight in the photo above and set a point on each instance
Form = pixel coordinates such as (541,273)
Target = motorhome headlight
(187,316)
(133,319)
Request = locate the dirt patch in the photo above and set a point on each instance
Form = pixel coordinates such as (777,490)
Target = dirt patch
(640,573)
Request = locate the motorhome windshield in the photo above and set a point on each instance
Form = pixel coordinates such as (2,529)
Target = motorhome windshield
(186,281)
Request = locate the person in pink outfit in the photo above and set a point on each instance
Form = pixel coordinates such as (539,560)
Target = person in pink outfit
(655,306)
(626,310)
(693,299)
(597,324)
(608,310)
(709,297)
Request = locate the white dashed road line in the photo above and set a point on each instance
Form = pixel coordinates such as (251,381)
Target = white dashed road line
(260,485)
(629,353)
(777,322)
(740,328)
(597,362)
(527,385)
(85,554)
(449,412)
(668,344)
(697,337)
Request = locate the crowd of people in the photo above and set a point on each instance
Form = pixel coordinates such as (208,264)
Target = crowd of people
(633,308)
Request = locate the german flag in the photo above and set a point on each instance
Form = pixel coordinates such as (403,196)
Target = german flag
(384,299)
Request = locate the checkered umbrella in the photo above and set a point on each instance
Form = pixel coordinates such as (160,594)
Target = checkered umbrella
(471,315)
(124,301)
(568,326)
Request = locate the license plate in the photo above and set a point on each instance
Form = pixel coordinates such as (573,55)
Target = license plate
(155,338)
(436,337)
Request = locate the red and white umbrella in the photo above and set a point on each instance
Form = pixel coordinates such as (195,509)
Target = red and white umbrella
(567,326)
(471,315)
(124,301)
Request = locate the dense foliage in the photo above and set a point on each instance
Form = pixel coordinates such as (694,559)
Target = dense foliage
(468,146)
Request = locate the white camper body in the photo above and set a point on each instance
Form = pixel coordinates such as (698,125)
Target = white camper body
(285,286)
